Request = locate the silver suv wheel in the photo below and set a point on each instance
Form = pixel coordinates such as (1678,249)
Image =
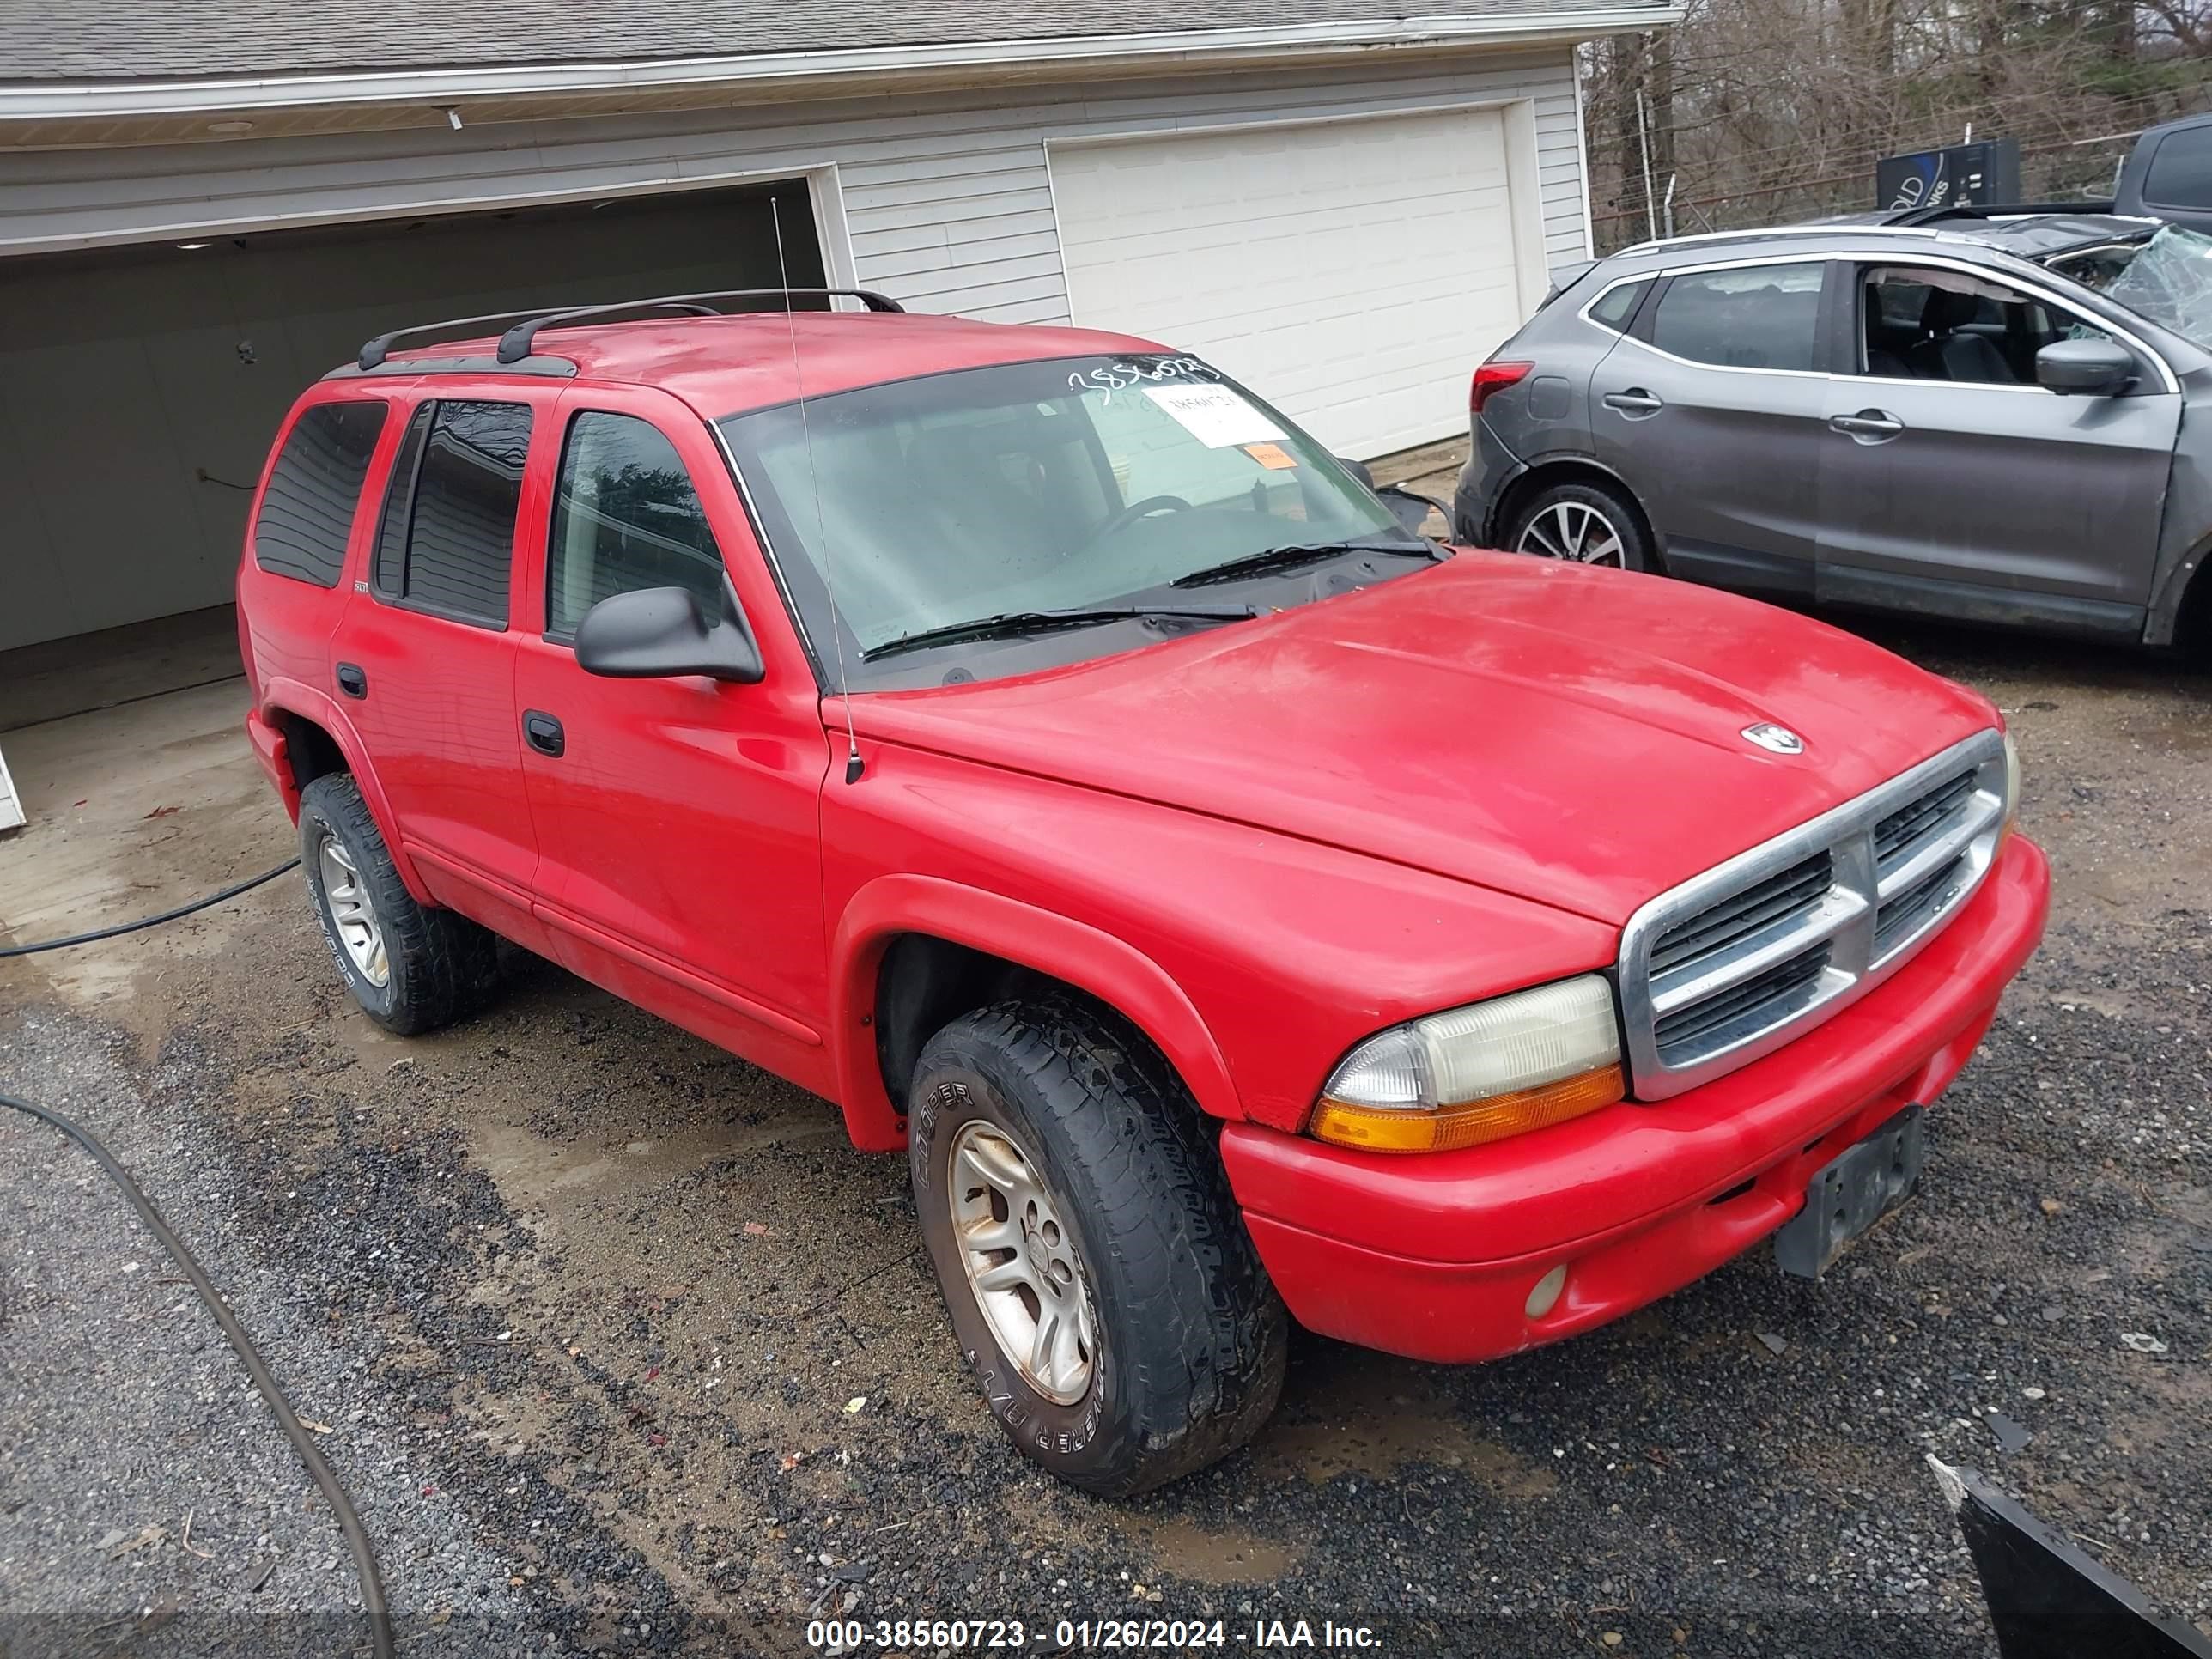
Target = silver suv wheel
(1022,1262)
(351,913)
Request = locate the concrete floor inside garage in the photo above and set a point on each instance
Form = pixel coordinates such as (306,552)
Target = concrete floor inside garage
(586,1304)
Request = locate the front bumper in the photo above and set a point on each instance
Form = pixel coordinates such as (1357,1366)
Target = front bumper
(1434,1256)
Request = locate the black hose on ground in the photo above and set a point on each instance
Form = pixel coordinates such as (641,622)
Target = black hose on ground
(349,1519)
(121,927)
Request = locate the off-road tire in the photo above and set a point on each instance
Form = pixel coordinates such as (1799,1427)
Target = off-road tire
(1191,1336)
(1619,508)
(442,965)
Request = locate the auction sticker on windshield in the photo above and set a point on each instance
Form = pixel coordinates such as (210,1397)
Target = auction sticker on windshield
(1214,414)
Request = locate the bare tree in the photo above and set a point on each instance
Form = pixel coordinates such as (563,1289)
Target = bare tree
(1754,111)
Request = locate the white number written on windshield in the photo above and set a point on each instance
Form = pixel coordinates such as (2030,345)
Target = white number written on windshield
(1110,377)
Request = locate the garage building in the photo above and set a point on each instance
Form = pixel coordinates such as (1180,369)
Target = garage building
(204,205)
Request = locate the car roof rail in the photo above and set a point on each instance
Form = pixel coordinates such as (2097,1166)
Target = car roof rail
(528,320)
(515,344)
(1928,215)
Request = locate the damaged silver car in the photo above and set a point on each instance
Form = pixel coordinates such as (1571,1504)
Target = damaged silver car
(1978,413)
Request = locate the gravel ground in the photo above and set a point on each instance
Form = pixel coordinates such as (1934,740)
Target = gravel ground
(621,1349)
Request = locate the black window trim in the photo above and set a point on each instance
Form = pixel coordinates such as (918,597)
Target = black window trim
(425,607)
(383,408)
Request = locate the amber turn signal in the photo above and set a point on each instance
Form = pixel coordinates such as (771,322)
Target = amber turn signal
(1382,1129)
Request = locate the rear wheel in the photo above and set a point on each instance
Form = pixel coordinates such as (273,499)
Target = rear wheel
(1584,523)
(411,968)
(1098,1274)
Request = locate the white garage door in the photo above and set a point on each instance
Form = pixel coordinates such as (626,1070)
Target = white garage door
(1352,272)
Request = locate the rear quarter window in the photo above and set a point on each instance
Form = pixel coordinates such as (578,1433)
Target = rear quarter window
(307,511)
(1615,308)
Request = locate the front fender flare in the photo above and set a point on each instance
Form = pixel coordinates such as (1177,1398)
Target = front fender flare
(291,697)
(1107,968)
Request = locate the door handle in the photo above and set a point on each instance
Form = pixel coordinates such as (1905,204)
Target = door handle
(544,732)
(1635,403)
(351,680)
(1869,425)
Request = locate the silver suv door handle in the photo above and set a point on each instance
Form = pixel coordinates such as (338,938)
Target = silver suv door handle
(1634,403)
(1875,424)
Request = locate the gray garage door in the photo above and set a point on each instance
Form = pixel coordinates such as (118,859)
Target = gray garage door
(139,386)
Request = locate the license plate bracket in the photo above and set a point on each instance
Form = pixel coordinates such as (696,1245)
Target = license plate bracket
(1851,1192)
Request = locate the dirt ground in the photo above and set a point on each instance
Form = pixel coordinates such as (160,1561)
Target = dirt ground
(629,1352)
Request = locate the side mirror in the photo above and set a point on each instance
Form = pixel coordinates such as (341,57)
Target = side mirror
(1411,509)
(2091,368)
(1358,470)
(656,633)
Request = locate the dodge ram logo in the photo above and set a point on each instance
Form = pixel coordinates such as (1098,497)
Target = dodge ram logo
(1775,739)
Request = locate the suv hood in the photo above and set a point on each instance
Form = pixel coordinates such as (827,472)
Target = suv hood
(1563,734)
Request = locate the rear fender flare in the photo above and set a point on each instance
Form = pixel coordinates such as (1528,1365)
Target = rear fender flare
(1097,963)
(289,696)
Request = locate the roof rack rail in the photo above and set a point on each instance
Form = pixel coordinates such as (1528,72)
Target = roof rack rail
(1928,215)
(514,345)
(374,352)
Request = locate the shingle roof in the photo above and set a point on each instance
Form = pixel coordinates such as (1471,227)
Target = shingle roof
(78,41)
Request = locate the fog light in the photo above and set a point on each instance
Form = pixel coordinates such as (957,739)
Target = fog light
(1546,1296)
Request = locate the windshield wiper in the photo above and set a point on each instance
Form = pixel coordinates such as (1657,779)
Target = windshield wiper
(1010,623)
(1273,559)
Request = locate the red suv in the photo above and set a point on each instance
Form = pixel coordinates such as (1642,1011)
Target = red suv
(1237,907)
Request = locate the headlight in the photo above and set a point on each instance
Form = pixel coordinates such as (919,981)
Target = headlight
(1477,1074)
(2011,781)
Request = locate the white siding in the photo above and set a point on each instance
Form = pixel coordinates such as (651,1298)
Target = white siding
(946,197)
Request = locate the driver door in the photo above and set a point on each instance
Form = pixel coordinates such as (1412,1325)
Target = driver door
(1951,482)
(680,861)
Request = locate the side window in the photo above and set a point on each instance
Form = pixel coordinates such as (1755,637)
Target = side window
(1759,317)
(1923,323)
(446,542)
(307,511)
(1615,308)
(625,516)
(2181,170)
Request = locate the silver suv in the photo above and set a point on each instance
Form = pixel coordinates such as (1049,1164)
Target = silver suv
(1970,414)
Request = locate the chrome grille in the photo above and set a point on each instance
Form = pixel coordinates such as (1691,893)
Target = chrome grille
(1760,998)
(1776,901)
(1899,915)
(1902,829)
(1735,963)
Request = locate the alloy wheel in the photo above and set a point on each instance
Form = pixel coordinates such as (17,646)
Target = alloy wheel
(351,913)
(1572,530)
(1022,1262)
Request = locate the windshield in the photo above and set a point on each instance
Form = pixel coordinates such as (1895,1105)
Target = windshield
(2166,277)
(1077,482)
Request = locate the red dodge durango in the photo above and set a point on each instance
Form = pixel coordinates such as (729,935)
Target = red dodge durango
(1238,908)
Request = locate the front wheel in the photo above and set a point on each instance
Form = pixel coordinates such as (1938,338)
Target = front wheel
(1585,524)
(1098,1274)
